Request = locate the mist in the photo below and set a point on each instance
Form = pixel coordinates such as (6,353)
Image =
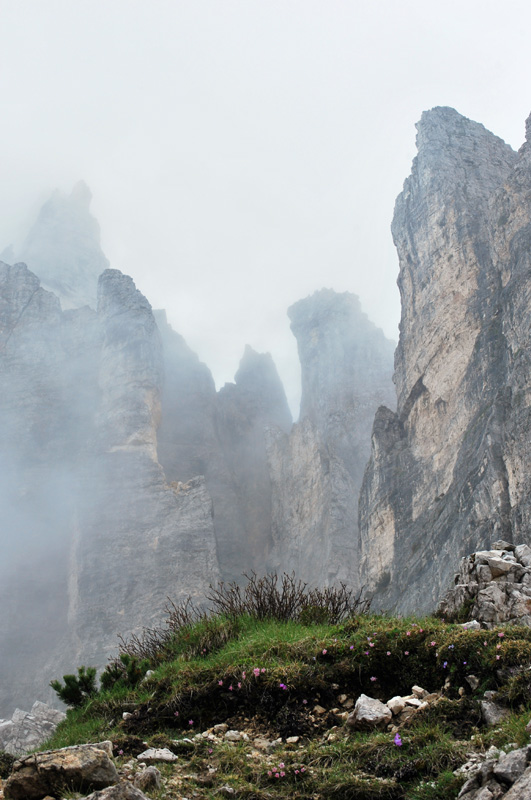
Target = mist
(242,155)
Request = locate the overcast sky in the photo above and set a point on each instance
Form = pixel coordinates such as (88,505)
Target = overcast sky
(244,153)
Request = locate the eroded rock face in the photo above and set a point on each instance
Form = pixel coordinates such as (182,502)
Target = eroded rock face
(222,435)
(93,536)
(246,409)
(131,524)
(317,471)
(448,472)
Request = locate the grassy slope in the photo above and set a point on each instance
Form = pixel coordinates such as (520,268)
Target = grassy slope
(380,656)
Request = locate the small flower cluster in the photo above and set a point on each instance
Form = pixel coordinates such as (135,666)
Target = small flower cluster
(280,771)
(238,684)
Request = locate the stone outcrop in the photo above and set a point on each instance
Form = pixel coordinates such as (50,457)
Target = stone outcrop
(449,471)
(498,774)
(26,730)
(492,587)
(63,248)
(84,767)
(317,470)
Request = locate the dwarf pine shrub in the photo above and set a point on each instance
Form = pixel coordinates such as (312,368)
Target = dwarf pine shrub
(78,688)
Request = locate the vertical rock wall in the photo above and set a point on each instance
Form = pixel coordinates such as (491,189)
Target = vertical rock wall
(440,480)
(317,470)
(93,537)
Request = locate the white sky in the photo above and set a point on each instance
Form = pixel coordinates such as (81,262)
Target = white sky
(244,153)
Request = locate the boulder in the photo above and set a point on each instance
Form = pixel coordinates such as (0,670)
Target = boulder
(523,554)
(369,713)
(521,790)
(511,766)
(492,712)
(85,767)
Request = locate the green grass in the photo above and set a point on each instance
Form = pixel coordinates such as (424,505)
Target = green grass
(207,675)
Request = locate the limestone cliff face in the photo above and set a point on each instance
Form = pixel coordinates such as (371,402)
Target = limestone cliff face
(222,436)
(317,470)
(63,248)
(39,431)
(447,472)
(245,410)
(93,537)
(137,538)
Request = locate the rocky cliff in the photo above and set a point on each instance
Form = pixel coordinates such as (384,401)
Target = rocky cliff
(222,436)
(93,536)
(317,470)
(449,471)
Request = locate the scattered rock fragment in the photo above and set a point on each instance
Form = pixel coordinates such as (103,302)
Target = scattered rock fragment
(369,713)
(148,779)
(154,754)
(121,791)
(396,705)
